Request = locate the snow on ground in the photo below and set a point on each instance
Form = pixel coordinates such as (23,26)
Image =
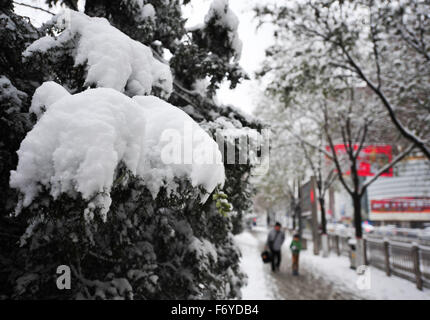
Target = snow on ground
(381,286)
(335,270)
(260,285)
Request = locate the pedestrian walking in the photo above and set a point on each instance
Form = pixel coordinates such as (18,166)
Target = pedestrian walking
(295,247)
(275,239)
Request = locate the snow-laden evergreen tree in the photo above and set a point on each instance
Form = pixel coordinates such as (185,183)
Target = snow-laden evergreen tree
(201,57)
(93,191)
(18,81)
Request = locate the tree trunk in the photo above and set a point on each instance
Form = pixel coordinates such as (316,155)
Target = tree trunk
(323,217)
(324,237)
(299,216)
(359,254)
(299,208)
(357,216)
(293,207)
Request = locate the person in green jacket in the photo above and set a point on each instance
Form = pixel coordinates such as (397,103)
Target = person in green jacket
(295,247)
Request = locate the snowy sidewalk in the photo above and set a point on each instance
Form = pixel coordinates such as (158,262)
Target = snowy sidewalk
(261,285)
(320,278)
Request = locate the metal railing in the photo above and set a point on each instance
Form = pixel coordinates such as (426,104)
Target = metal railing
(410,261)
(375,254)
(401,260)
(344,246)
(424,257)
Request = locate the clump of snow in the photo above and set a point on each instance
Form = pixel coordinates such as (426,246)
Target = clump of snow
(177,146)
(113,59)
(204,249)
(23,282)
(122,285)
(7,22)
(200,86)
(41,45)
(144,11)
(77,144)
(115,289)
(48,93)
(148,11)
(226,18)
(79,141)
(9,93)
(248,141)
(233,129)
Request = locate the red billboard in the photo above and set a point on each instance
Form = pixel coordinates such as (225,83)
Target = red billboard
(370,160)
(401,205)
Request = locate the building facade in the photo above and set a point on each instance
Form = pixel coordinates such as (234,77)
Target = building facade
(404,199)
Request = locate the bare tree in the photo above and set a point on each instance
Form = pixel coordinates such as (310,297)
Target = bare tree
(347,121)
(383,45)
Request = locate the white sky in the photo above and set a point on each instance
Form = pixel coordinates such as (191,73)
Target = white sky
(245,95)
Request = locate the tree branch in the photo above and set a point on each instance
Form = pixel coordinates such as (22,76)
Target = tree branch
(405,132)
(311,145)
(387,166)
(33,7)
(333,151)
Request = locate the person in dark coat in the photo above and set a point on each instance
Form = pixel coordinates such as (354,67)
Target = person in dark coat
(275,239)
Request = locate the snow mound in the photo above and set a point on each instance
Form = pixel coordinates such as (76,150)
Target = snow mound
(79,141)
(113,59)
